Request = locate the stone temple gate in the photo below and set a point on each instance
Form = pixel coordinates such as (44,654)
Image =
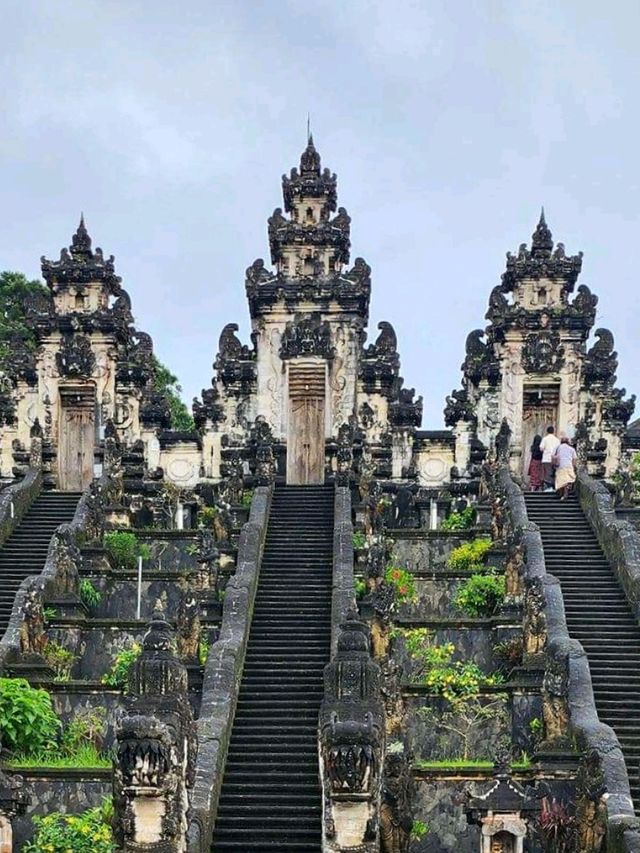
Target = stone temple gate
(306,623)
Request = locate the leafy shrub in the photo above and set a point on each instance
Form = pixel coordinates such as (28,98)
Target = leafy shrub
(359,541)
(61,660)
(118,675)
(247,497)
(360,588)
(455,681)
(419,829)
(460,520)
(89,832)
(469,556)
(509,652)
(536,727)
(27,719)
(89,594)
(207,516)
(481,595)
(123,549)
(203,649)
(86,728)
(403,583)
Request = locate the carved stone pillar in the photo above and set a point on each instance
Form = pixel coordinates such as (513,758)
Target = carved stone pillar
(154,763)
(351,744)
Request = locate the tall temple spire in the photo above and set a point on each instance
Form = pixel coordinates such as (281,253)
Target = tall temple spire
(81,241)
(542,238)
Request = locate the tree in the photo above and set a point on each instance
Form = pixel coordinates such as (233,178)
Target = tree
(14,290)
(167,383)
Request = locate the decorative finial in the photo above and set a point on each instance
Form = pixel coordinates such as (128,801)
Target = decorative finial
(81,242)
(310,159)
(309,137)
(541,239)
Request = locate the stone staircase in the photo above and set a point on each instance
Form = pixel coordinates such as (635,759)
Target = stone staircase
(25,551)
(271,798)
(598,615)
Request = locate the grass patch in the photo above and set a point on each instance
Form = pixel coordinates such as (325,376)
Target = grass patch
(470,764)
(85,757)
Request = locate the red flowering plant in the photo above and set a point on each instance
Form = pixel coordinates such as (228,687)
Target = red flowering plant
(403,583)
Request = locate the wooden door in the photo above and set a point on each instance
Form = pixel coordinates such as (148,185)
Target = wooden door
(76,439)
(305,442)
(539,411)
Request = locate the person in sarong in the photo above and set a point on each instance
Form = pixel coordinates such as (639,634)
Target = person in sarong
(536,471)
(565,463)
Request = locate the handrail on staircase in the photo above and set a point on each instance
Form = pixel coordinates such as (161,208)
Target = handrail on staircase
(16,499)
(222,674)
(619,539)
(567,659)
(60,571)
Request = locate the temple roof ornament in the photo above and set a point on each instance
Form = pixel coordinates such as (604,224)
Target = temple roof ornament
(542,261)
(310,181)
(79,264)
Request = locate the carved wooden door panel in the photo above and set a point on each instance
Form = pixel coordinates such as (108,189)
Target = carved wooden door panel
(540,410)
(305,442)
(76,439)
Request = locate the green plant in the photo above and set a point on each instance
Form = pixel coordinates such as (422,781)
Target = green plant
(359,588)
(123,549)
(83,756)
(469,556)
(49,613)
(509,652)
(61,660)
(460,520)
(27,718)
(203,649)
(419,829)
(524,762)
(118,675)
(247,497)
(193,550)
(86,728)
(536,727)
(403,583)
(207,515)
(481,595)
(89,594)
(359,541)
(435,668)
(88,832)
(466,716)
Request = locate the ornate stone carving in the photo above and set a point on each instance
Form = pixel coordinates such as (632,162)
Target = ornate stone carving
(155,755)
(351,734)
(75,357)
(480,362)
(307,335)
(503,443)
(601,362)
(344,454)
(396,820)
(458,408)
(542,353)
(541,261)
(591,809)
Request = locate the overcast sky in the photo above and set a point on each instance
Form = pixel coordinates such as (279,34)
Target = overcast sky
(448,122)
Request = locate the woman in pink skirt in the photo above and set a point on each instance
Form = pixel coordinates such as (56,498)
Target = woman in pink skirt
(536,475)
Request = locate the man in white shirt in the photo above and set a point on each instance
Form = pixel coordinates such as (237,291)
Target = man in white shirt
(548,446)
